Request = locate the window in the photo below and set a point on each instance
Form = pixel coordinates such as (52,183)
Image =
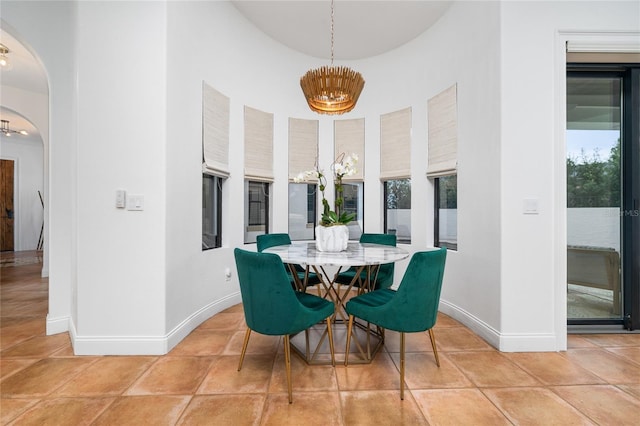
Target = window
(256,210)
(354,203)
(397,212)
(302,211)
(211,212)
(446,212)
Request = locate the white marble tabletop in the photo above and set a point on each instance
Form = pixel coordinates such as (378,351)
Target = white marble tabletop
(357,254)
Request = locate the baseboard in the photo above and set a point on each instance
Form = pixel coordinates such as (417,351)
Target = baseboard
(148,345)
(57,325)
(504,342)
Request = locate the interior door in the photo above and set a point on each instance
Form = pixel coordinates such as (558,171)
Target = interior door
(6,205)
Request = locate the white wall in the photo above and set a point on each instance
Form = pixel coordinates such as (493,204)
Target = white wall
(47,29)
(122,127)
(27,154)
(533,265)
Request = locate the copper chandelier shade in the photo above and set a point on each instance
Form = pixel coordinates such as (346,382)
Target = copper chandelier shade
(332,89)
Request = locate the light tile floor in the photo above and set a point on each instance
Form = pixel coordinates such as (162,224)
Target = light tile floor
(597,381)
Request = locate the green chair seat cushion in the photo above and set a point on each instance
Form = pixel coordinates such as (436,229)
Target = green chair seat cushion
(384,279)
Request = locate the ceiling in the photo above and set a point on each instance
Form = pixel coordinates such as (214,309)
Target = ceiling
(362,28)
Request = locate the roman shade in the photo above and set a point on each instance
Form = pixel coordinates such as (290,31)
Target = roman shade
(442,117)
(258,145)
(303,146)
(348,138)
(215,132)
(605,52)
(395,145)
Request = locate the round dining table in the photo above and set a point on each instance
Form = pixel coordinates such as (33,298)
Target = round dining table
(362,256)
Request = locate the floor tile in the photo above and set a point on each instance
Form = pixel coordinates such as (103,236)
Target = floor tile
(258,344)
(224,321)
(10,366)
(551,368)
(459,339)
(629,353)
(491,369)
(310,409)
(633,390)
(236,410)
(380,374)
(380,408)
(223,375)
(455,407)
(610,340)
(74,411)
(109,376)
(37,347)
(535,406)
(12,408)
(202,343)
(156,410)
(422,372)
(603,404)
(43,377)
(172,376)
(413,342)
(304,377)
(607,366)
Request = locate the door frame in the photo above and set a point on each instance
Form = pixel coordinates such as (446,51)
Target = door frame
(16,200)
(598,41)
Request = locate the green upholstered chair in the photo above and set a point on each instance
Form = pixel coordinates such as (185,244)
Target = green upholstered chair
(410,309)
(384,277)
(265,241)
(272,307)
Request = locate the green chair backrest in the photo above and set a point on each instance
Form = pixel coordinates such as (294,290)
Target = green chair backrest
(386,239)
(387,269)
(270,304)
(265,241)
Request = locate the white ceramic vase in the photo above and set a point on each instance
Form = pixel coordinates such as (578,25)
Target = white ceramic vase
(332,238)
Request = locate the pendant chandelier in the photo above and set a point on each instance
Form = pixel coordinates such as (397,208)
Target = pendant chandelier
(331,89)
(5,130)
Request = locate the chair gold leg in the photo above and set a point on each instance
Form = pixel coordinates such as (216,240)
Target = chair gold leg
(330,332)
(433,344)
(287,363)
(244,347)
(346,352)
(402,366)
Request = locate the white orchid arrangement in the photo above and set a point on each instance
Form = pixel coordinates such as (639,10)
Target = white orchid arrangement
(341,167)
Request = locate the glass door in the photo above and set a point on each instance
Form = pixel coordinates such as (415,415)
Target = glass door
(601,284)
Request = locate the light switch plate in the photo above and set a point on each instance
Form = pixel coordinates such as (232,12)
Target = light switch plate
(135,202)
(530,206)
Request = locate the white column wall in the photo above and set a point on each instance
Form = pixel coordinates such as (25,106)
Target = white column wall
(533,304)
(48,29)
(121,145)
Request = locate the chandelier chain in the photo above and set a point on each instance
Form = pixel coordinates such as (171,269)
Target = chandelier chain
(331,32)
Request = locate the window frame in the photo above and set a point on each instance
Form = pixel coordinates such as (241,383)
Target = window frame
(385,192)
(261,227)
(216,195)
(436,214)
